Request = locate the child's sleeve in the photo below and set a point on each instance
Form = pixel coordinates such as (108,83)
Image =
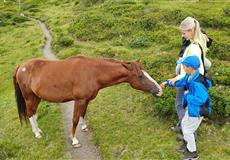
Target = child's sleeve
(178,83)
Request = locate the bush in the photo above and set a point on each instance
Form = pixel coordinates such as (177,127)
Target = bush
(220,72)
(2,23)
(168,36)
(161,106)
(165,106)
(174,16)
(148,23)
(65,41)
(161,68)
(220,98)
(92,27)
(118,42)
(227,11)
(215,22)
(220,50)
(112,53)
(19,19)
(107,52)
(140,42)
(88,3)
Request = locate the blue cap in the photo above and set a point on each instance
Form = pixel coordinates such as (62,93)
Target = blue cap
(190,61)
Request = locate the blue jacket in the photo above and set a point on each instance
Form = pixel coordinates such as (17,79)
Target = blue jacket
(197,95)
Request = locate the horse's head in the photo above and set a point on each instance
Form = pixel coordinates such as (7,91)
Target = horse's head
(140,79)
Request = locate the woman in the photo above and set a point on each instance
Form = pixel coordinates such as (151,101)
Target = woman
(195,43)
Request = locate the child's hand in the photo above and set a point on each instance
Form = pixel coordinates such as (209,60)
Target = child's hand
(163,85)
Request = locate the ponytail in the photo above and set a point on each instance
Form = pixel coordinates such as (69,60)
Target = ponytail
(199,37)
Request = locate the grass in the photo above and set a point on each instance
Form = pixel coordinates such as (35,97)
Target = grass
(127,124)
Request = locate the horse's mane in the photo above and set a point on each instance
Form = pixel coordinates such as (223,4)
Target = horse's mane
(112,60)
(106,59)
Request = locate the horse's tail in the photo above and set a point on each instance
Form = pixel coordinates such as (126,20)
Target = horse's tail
(19,99)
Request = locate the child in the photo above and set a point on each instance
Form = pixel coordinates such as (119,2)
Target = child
(194,99)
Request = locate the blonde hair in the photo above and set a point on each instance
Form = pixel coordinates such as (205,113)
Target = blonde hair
(190,23)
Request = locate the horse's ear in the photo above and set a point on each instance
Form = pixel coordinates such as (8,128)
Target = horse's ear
(138,60)
(127,65)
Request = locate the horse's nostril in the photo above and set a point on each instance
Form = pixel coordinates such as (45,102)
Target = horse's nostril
(160,93)
(156,91)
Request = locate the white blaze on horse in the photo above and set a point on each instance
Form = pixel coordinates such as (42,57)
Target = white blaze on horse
(76,78)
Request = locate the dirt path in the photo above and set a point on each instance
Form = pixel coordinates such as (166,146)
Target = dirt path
(88,151)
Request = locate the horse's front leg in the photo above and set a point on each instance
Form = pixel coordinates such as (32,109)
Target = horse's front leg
(79,106)
(84,126)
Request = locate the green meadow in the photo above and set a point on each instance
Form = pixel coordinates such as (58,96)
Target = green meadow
(126,123)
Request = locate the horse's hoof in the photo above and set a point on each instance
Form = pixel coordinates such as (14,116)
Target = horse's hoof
(40,131)
(38,136)
(84,128)
(76,145)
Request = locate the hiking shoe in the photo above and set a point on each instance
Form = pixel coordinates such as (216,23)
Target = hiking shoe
(176,128)
(190,156)
(179,138)
(181,148)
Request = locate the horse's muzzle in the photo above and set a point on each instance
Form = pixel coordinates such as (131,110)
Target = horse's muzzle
(157,92)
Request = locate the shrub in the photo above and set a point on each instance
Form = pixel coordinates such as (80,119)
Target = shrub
(174,16)
(92,27)
(220,50)
(148,22)
(220,72)
(215,22)
(160,67)
(128,2)
(65,41)
(161,106)
(165,106)
(220,101)
(227,11)
(2,23)
(112,53)
(88,3)
(19,19)
(140,42)
(118,42)
(168,36)
(107,52)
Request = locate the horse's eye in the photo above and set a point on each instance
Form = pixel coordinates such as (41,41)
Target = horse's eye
(140,76)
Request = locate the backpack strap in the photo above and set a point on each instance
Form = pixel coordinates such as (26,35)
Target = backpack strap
(201,79)
(202,58)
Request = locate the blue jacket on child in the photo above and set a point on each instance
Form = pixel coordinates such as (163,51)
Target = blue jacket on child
(197,95)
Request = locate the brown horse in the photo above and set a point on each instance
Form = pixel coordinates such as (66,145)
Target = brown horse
(76,78)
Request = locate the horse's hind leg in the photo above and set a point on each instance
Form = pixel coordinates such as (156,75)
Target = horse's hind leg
(32,102)
(35,116)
